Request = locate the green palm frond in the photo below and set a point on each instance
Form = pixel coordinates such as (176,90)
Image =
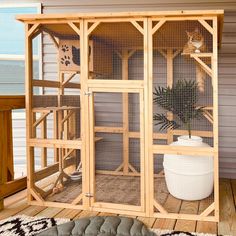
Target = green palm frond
(165,122)
(181,100)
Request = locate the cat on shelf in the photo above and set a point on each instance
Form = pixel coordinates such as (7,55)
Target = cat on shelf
(195,42)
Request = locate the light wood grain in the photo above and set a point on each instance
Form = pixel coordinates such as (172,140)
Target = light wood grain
(17,204)
(227,209)
(148,221)
(68,213)
(49,212)
(187,207)
(205,227)
(32,210)
(171,205)
(86,214)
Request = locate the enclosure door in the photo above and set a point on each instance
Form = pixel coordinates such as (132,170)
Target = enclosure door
(116,150)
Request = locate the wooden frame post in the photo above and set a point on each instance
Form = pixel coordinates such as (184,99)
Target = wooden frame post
(44,150)
(29,114)
(151,31)
(84,110)
(147,43)
(125,112)
(6,150)
(215,116)
(169,55)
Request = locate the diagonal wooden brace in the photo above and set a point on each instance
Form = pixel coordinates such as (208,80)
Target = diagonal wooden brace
(43,116)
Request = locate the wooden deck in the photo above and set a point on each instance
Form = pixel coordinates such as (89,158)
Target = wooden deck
(17,204)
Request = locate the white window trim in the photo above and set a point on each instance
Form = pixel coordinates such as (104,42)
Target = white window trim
(11,57)
(37,5)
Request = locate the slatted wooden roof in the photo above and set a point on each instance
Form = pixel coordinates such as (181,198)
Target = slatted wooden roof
(123,33)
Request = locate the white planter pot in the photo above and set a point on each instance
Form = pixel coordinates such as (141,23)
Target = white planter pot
(189,177)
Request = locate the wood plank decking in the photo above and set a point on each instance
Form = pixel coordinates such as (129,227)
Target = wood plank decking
(17,204)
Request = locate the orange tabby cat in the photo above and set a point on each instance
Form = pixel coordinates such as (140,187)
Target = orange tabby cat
(195,42)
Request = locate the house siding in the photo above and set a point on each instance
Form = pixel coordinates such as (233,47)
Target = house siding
(227,57)
(227,60)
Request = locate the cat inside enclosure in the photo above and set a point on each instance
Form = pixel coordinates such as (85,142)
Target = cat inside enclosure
(195,42)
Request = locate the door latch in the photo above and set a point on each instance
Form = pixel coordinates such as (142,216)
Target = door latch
(88,195)
(87,93)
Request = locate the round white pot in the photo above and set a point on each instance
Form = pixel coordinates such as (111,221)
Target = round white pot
(189,177)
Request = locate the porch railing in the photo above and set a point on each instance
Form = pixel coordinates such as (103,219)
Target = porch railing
(8,185)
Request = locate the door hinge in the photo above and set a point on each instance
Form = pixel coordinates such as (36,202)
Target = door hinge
(87,93)
(88,195)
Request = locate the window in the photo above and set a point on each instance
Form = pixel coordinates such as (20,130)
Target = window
(12,48)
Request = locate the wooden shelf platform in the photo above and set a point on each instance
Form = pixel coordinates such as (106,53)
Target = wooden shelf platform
(200,54)
(57,143)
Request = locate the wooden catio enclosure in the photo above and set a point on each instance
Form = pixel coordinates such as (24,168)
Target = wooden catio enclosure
(90,123)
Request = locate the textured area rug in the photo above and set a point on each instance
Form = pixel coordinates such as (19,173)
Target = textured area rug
(159,232)
(22,225)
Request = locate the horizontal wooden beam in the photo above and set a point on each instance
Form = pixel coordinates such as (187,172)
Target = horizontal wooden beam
(155,135)
(55,143)
(184,216)
(133,134)
(107,129)
(183,150)
(76,16)
(54,84)
(12,102)
(116,173)
(50,170)
(12,187)
(124,84)
(54,109)
(206,134)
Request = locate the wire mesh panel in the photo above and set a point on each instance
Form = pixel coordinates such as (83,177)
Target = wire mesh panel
(182,84)
(56,122)
(118,148)
(113,46)
(61,122)
(53,124)
(108,110)
(183,117)
(57,183)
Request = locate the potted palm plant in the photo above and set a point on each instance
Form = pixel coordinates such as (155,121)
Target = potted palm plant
(187,177)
